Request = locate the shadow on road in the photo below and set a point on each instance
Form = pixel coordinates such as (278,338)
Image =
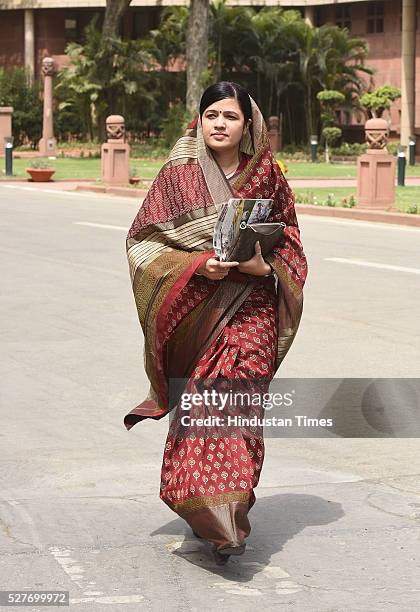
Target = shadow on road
(274,520)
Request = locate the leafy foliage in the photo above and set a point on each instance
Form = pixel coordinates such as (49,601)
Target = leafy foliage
(380,99)
(16,91)
(108,75)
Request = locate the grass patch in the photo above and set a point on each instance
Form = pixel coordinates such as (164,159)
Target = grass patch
(65,168)
(407,198)
(323,170)
(82,168)
(90,168)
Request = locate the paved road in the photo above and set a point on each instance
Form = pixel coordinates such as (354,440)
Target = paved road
(337,521)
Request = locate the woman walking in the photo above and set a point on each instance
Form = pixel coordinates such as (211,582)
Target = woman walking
(204,319)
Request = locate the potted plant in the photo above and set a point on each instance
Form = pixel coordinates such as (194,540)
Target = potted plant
(40,171)
(134,175)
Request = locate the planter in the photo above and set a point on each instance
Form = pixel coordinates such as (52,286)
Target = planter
(134,180)
(40,175)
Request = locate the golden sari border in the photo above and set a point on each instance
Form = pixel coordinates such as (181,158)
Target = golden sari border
(208,501)
(281,273)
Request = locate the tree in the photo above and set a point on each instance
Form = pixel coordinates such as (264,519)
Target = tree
(197,52)
(330,101)
(329,59)
(114,11)
(105,73)
(271,53)
(376,102)
(17,90)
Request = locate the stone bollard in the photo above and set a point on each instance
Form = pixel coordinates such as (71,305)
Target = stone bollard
(115,153)
(5,125)
(47,145)
(376,169)
(274,134)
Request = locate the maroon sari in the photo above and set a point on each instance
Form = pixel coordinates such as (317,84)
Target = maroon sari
(239,328)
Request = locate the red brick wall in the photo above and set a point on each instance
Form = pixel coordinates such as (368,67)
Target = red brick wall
(11,38)
(49,34)
(384,56)
(384,51)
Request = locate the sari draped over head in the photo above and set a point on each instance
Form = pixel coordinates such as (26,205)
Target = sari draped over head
(241,326)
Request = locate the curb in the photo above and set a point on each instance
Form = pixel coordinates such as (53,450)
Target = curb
(380,216)
(122,191)
(359,214)
(346,181)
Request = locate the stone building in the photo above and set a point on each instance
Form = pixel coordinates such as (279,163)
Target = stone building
(32,29)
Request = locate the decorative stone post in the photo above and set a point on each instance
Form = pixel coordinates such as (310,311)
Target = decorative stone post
(47,144)
(274,134)
(376,169)
(5,125)
(115,153)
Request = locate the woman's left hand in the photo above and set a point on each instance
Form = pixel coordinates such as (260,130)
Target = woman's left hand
(256,265)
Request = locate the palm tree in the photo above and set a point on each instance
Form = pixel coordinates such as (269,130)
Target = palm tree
(105,71)
(328,59)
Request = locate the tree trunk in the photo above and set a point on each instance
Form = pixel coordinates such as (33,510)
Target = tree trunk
(309,111)
(219,58)
(114,11)
(270,101)
(197,52)
(290,123)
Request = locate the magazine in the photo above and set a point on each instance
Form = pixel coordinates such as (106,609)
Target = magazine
(232,214)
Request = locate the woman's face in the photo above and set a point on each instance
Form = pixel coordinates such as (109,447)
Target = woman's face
(223,124)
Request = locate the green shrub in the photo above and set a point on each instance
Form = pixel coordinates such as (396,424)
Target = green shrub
(16,91)
(413,209)
(392,148)
(354,148)
(174,124)
(348,202)
(40,164)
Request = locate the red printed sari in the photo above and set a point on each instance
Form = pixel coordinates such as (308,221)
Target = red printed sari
(238,328)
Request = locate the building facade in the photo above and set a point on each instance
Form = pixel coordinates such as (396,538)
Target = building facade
(32,29)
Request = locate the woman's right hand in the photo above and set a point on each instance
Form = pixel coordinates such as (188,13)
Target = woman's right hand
(215,269)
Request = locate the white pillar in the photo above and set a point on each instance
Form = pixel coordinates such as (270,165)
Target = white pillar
(30,43)
(310,15)
(408,67)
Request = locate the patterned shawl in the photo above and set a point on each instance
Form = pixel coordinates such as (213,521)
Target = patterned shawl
(170,238)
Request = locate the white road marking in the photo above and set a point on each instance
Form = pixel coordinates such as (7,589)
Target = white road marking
(102,225)
(62,556)
(73,192)
(372,264)
(9,498)
(236,588)
(184,546)
(358,222)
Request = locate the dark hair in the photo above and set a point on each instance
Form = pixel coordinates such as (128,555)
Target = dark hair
(228,89)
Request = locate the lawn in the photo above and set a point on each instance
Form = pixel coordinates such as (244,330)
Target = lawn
(90,168)
(82,168)
(323,170)
(405,196)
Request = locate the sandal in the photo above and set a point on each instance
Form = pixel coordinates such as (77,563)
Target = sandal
(232,550)
(220,559)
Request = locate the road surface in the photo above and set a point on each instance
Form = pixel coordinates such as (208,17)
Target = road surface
(336,525)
